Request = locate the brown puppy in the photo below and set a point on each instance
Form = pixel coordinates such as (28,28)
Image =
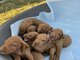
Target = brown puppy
(30,37)
(59,40)
(32,28)
(65,41)
(37,55)
(27,23)
(44,28)
(43,44)
(17,48)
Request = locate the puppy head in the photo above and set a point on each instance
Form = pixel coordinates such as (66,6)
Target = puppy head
(11,45)
(40,41)
(24,25)
(56,34)
(30,37)
(44,28)
(31,28)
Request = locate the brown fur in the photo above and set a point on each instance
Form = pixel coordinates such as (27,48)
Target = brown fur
(17,47)
(59,41)
(43,44)
(63,42)
(30,37)
(66,40)
(37,55)
(27,23)
(44,28)
(32,28)
(56,34)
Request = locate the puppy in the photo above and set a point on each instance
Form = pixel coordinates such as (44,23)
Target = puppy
(60,41)
(17,48)
(37,55)
(32,28)
(43,44)
(27,23)
(44,28)
(30,37)
(64,42)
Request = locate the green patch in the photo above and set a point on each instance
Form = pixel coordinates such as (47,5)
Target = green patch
(12,4)
(10,8)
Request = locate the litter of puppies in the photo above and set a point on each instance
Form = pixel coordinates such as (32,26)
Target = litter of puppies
(36,38)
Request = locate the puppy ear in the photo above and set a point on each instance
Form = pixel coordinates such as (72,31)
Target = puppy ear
(22,47)
(19,48)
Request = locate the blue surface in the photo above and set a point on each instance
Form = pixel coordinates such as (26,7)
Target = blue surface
(65,14)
